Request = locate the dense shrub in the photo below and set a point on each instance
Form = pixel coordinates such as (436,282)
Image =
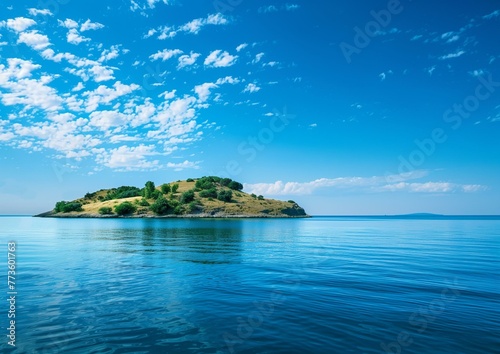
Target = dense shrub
(190,180)
(204,183)
(105,211)
(73,206)
(225,195)
(59,206)
(175,187)
(225,181)
(209,193)
(125,208)
(89,195)
(187,197)
(161,206)
(178,210)
(291,201)
(165,188)
(192,207)
(253,196)
(143,202)
(122,192)
(260,197)
(156,194)
(237,186)
(66,207)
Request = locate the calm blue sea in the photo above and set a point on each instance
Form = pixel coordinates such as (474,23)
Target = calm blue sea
(318,285)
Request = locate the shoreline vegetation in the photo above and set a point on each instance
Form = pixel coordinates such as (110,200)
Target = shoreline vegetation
(205,197)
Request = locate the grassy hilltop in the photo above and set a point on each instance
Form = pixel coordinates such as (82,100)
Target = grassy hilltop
(202,197)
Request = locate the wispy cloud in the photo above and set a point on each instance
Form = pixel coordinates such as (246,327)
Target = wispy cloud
(184,165)
(492,15)
(241,47)
(384,75)
(165,54)
(450,37)
(192,27)
(366,184)
(273,8)
(220,59)
(143,5)
(251,88)
(187,60)
(36,12)
(452,55)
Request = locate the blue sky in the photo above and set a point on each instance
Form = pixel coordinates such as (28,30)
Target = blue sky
(367,107)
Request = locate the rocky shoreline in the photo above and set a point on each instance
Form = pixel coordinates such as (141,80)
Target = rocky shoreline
(51,214)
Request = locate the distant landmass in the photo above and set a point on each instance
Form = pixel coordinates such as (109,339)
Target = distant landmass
(205,197)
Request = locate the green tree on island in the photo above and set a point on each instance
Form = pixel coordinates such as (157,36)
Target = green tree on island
(148,190)
(165,188)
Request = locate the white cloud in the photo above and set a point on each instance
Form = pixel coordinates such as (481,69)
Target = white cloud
(432,187)
(148,4)
(68,23)
(150,33)
(18,24)
(183,165)
(21,89)
(44,12)
(120,138)
(273,8)
(127,158)
(216,19)
(272,64)
(108,54)
(74,37)
(228,80)
(267,9)
(195,25)
(372,184)
(258,57)
(241,47)
(291,7)
(104,95)
(89,25)
(251,88)
(219,59)
(187,60)
(452,55)
(104,120)
(203,90)
(6,136)
(192,27)
(165,54)
(34,40)
(78,87)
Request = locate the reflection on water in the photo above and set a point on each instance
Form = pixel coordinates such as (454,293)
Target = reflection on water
(190,242)
(320,285)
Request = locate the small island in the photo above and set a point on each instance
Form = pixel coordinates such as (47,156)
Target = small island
(205,197)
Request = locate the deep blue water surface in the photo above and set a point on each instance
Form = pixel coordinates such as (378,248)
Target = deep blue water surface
(318,285)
